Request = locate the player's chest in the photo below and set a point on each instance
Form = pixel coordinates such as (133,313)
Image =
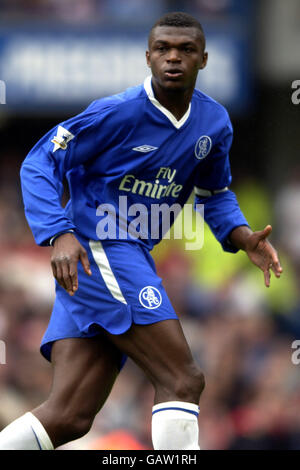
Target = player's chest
(168,150)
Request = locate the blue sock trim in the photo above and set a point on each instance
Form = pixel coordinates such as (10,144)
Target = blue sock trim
(40,447)
(175,408)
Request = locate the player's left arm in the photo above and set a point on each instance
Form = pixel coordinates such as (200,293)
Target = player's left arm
(223,214)
(259,250)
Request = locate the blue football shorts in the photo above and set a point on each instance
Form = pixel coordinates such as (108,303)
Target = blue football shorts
(123,289)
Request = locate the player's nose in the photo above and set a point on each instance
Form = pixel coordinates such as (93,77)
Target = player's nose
(174,56)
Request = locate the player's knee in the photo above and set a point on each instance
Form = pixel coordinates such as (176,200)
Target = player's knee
(78,427)
(67,423)
(200,381)
(190,385)
(73,426)
(187,385)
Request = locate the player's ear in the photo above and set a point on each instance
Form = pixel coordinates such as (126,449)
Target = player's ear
(204,61)
(148,58)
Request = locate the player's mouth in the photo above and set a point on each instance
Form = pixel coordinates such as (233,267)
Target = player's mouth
(173,74)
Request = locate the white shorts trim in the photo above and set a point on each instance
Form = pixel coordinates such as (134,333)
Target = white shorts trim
(106,271)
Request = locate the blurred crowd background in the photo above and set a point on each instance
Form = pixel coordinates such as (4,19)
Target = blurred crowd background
(240,332)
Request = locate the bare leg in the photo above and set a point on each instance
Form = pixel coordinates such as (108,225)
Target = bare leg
(84,372)
(162,352)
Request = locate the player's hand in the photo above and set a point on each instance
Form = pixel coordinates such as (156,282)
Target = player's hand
(66,253)
(263,254)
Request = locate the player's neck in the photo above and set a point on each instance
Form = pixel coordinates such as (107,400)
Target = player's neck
(176,101)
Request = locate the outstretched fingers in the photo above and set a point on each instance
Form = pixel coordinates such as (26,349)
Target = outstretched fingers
(274,265)
(267,276)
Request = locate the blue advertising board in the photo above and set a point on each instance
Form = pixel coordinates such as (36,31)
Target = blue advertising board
(66,68)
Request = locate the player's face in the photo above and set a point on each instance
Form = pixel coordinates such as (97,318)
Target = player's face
(175,56)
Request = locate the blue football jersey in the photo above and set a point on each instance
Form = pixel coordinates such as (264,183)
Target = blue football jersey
(124,155)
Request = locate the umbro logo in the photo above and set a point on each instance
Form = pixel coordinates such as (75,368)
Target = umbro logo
(144,148)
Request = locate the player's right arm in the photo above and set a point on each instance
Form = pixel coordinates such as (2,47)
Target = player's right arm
(67,251)
(66,146)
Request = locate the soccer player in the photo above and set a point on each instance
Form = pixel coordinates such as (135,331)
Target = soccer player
(150,145)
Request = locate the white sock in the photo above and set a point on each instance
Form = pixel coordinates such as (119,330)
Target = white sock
(175,426)
(25,433)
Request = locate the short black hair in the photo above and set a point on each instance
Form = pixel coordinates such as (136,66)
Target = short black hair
(179,19)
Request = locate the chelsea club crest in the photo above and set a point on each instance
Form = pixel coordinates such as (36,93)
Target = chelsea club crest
(150,297)
(203,147)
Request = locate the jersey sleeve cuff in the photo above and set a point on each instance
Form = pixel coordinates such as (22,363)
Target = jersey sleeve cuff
(52,239)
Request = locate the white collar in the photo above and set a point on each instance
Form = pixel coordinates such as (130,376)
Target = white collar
(165,111)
